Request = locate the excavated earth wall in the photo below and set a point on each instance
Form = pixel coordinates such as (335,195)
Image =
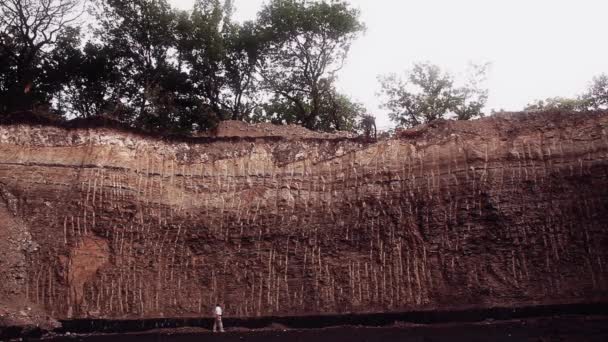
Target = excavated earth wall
(503,211)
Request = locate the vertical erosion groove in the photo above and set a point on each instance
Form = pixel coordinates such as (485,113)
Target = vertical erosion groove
(495,212)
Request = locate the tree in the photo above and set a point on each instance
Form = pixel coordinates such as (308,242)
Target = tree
(305,44)
(367,125)
(472,98)
(8,74)
(337,112)
(80,79)
(139,35)
(201,46)
(596,96)
(222,58)
(27,29)
(242,55)
(428,94)
(154,90)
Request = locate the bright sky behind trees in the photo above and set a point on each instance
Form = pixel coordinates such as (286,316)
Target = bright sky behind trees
(538,48)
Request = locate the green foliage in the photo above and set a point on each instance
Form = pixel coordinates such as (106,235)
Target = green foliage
(9,78)
(596,96)
(337,112)
(430,99)
(28,29)
(242,55)
(201,46)
(557,103)
(222,57)
(139,35)
(428,94)
(86,76)
(153,67)
(367,126)
(305,44)
(471,98)
(164,66)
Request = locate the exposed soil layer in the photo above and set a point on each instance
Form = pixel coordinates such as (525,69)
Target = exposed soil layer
(226,130)
(243,129)
(560,328)
(101,223)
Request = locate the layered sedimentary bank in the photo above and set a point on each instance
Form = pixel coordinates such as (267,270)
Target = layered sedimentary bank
(503,211)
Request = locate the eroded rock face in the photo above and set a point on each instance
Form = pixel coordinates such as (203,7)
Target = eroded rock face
(500,211)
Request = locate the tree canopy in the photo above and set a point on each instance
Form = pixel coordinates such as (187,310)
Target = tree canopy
(595,97)
(155,67)
(427,93)
(28,29)
(151,66)
(305,45)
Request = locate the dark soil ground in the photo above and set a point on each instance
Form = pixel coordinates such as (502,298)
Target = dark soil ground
(562,328)
(559,322)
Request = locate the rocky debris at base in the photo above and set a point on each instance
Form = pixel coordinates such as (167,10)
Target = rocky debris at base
(25,322)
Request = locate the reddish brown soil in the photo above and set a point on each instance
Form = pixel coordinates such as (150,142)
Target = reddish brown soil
(506,211)
(243,129)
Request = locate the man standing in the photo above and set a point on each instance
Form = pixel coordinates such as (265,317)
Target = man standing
(217,312)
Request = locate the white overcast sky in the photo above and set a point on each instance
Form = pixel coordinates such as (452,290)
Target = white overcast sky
(538,48)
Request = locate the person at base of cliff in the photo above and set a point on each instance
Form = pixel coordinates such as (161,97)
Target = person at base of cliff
(217,323)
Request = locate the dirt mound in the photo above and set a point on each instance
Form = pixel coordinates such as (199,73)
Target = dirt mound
(30,118)
(243,129)
(504,125)
(225,129)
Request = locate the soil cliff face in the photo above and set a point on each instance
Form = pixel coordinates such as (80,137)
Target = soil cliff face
(501,211)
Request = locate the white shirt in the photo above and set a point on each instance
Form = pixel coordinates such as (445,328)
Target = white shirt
(218,311)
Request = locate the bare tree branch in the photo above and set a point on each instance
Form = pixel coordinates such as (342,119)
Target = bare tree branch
(37,22)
